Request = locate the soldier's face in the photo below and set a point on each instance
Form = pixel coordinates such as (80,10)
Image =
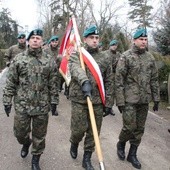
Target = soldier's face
(35,41)
(92,41)
(21,40)
(141,42)
(54,43)
(113,47)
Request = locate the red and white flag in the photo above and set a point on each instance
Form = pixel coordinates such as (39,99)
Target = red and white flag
(90,63)
(71,42)
(68,45)
(95,70)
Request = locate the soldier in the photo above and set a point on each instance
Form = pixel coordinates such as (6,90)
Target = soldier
(15,49)
(82,85)
(115,55)
(53,50)
(136,85)
(32,81)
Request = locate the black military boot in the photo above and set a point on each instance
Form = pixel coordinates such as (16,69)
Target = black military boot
(66,92)
(35,162)
(112,113)
(121,150)
(74,150)
(87,161)
(25,149)
(133,158)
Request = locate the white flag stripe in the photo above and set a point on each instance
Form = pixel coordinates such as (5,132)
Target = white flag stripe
(96,67)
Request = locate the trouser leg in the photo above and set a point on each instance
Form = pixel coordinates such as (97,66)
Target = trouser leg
(39,131)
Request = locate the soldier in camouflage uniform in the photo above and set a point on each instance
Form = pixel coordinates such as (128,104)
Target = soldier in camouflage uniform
(115,55)
(136,85)
(53,50)
(32,81)
(15,49)
(82,85)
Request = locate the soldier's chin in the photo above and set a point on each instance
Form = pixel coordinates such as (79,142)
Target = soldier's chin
(95,46)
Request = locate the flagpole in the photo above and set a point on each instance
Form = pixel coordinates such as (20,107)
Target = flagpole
(90,106)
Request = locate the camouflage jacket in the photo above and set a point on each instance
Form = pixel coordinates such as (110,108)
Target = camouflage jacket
(32,81)
(78,76)
(115,57)
(54,53)
(13,51)
(136,78)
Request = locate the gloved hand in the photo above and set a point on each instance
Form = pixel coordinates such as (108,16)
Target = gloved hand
(107,111)
(155,106)
(86,88)
(7,109)
(121,108)
(54,110)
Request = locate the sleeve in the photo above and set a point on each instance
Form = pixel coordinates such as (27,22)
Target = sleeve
(7,56)
(76,71)
(11,83)
(154,83)
(121,71)
(109,84)
(53,82)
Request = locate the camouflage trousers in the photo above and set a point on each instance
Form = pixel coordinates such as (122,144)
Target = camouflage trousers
(24,124)
(134,118)
(81,125)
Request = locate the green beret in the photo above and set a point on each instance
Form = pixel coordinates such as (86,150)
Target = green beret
(113,42)
(90,31)
(140,33)
(53,38)
(35,32)
(22,35)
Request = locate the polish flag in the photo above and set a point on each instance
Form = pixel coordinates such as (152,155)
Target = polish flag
(68,45)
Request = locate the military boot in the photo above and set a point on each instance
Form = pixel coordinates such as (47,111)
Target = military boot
(121,150)
(112,113)
(66,92)
(87,161)
(35,162)
(25,149)
(133,158)
(74,150)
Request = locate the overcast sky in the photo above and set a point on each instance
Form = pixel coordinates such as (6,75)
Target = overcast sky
(23,11)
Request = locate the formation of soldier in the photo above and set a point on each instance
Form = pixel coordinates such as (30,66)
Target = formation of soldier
(33,85)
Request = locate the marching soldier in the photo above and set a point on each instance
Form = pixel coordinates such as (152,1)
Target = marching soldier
(32,84)
(136,85)
(115,55)
(15,49)
(53,50)
(82,85)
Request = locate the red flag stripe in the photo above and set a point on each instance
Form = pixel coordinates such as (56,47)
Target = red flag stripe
(65,38)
